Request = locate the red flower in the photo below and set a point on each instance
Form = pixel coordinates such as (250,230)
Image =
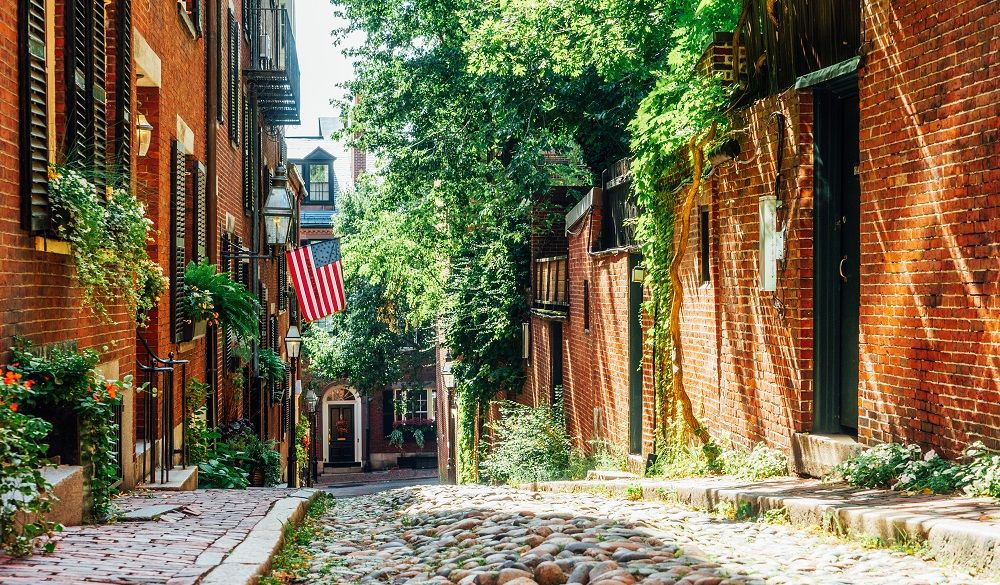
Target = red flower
(29,383)
(13,406)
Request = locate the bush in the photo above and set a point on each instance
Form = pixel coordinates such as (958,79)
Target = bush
(759,463)
(878,466)
(980,473)
(931,474)
(530,444)
(212,296)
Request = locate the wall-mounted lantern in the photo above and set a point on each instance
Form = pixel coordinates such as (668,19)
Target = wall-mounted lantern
(278,210)
(144,133)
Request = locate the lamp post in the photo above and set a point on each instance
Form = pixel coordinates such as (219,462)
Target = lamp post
(278,210)
(448,379)
(293,343)
(311,401)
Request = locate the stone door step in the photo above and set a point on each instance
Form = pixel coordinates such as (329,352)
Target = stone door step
(601,474)
(181,480)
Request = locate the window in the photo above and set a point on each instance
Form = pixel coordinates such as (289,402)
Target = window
(319,182)
(706,268)
(191,14)
(413,403)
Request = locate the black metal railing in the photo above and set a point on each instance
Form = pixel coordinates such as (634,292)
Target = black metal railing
(157,414)
(274,65)
(551,284)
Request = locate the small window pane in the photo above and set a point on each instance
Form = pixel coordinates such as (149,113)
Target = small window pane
(319,182)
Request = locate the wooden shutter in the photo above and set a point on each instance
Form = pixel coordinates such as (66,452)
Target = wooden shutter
(98,87)
(248,162)
(219,105)
(79,114)
(225,248)
(123,89)
(197,16)
(233,71)
(282,281)
(262,315)
(34,98)
(178,233)
(200,176)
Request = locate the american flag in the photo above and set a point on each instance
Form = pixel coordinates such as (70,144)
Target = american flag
(318,276)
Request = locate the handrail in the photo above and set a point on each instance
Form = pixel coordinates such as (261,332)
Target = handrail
(164,458)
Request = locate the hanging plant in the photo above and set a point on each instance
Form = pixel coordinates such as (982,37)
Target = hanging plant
(270,366)
(210,295)
(107,233)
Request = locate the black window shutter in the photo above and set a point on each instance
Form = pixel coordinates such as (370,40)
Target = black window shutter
(248,162)
(233,72)
(178,229)
(219,106)
(98,81)
(78,114)
(282,281)
(387,412)
(197,16)
(123,90)
(200,175)
(262,315)
(34,97)
(227,338)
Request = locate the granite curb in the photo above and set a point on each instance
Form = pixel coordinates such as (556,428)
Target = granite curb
(252,558)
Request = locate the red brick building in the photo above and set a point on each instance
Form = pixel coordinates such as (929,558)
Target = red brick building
(842,268)
(80,77)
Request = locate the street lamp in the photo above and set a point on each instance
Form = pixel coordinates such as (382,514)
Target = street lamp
(144,132)
(311,402)
(293,344)
(278,210)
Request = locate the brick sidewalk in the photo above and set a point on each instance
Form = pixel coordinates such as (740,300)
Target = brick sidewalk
(175,550)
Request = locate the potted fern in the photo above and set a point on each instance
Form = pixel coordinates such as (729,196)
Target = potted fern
(211,297)
(271,368)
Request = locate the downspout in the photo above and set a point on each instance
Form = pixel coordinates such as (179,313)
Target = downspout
(211,144)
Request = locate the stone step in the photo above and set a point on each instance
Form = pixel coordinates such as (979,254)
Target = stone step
(180,480)
(605,474)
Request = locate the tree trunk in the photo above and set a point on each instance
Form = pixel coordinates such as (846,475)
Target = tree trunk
(677,292)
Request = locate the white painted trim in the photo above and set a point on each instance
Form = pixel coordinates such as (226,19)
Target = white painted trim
(324,443)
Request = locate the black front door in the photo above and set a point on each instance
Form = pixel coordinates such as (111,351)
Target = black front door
(341,434)
(837,257)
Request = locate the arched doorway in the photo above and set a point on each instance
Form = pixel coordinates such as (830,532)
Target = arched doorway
(340,442)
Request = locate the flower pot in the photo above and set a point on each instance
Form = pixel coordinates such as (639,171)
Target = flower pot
(195,330)
(257,477)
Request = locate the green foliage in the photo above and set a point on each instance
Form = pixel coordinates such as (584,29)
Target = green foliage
(776,516)
(878,466)
(304,434)
(23,489)
(419,429)
(293,564)
(633,493)
(906,468)
(530,444)
(269,365)
(68,378)
(759,463)
(215,473)
(980,474)
(108,233)
(196,433)
(210,295)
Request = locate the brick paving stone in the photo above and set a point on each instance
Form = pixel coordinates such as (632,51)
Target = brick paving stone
(154,553)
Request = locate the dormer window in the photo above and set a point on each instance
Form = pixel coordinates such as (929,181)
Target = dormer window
(319,184)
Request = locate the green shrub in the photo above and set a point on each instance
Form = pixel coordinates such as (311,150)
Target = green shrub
(759,463)
(212,296)
(530,444)
(930,473)
(214,473)
(980,472)
(879,466)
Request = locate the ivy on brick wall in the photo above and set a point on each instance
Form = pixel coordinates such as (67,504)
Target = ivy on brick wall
(108,232)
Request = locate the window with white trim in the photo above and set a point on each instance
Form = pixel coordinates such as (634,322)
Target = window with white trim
(413,403)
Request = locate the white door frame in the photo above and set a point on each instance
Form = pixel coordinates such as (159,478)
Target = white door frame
(327,402)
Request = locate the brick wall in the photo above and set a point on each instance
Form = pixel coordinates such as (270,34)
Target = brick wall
(930,209)
(930,214)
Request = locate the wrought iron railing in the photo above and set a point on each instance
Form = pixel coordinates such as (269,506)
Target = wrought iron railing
(158,412)
(274,65)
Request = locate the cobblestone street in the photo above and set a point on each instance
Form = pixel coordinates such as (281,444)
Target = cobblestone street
(475,535)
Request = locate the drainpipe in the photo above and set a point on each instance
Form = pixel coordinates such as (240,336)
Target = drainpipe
(211,144)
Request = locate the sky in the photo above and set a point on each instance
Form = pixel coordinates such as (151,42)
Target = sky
(323,67)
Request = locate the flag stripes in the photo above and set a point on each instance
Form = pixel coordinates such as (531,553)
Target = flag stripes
(318,287)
